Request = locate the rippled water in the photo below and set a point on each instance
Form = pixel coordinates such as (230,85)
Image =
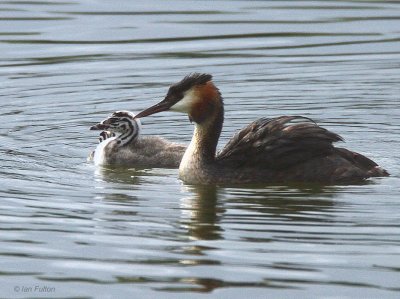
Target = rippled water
(77,231)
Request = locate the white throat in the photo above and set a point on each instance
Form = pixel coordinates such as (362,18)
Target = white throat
(191,160)
(184,105)
(99,153)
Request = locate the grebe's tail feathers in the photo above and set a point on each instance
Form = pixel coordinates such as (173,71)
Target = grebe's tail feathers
(370,167)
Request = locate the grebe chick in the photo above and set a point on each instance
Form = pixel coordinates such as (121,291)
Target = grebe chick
(279,150)
(102,136)
(120,145)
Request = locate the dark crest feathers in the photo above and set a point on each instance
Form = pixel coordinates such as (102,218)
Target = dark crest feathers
(189,81)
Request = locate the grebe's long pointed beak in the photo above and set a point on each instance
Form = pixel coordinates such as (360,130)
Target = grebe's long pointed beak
(164,105)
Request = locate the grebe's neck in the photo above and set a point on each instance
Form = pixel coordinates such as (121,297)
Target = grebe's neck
(206,135)
(130,134)
(199,157)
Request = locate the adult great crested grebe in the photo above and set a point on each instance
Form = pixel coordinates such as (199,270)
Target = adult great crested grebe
(279,150)
(120,145)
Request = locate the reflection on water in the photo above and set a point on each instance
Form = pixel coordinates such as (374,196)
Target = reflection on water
(135,233)
(203,213)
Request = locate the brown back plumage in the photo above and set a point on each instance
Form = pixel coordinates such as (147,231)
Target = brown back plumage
(278,143)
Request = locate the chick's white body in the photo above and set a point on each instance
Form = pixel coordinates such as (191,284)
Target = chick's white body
(99,157)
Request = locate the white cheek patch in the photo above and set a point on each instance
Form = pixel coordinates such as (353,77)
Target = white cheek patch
(186,102)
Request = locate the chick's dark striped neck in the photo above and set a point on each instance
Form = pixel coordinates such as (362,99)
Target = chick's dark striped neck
(130,134)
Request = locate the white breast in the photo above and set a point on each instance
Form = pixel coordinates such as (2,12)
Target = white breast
(99,153)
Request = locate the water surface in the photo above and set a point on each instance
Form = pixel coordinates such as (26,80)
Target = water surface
(87,232)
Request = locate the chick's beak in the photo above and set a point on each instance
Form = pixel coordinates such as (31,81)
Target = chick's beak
(164,105)
(104,125)
(99,126)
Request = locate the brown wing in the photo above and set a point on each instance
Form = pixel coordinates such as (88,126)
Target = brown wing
(277,143)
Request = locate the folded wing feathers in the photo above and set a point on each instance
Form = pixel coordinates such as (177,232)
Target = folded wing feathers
(278,142)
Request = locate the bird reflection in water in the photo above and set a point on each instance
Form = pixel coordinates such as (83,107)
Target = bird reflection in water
(201,213)
(260,214)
